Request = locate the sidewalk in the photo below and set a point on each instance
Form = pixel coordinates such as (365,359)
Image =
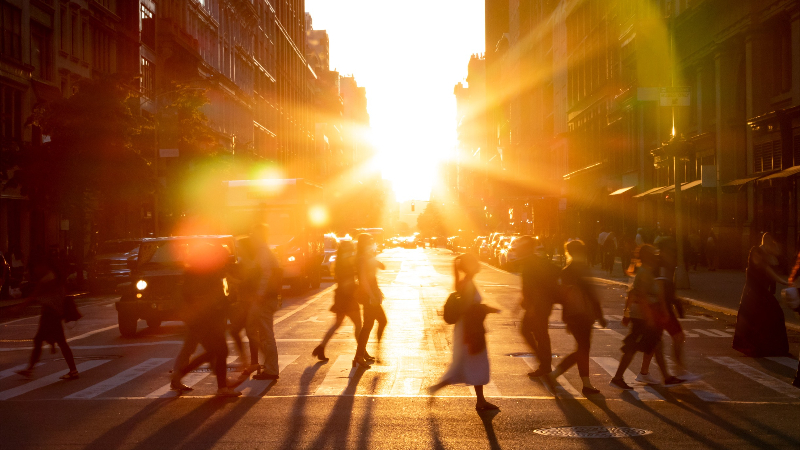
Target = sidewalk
(718,291)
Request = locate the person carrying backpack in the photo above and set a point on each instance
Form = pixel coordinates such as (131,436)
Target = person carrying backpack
(49,293)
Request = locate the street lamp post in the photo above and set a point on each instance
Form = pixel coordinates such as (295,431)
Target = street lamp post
(677,149)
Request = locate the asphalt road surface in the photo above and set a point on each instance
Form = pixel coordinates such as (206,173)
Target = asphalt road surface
(121,400)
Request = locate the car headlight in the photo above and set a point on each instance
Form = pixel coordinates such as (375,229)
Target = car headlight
(332,258)
(225,287)
(290,259)
(141,285)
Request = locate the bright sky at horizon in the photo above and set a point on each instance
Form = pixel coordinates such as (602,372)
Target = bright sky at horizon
(408,58)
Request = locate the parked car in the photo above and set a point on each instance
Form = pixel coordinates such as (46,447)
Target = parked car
(155,290)
(108,263)
(331,244)
(512,254)
(484,250)
(498,249)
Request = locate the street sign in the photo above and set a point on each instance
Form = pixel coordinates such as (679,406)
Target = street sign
(168,152)
(675,96)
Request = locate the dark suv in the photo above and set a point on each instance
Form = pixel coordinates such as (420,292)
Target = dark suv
(155,290)
(108,265)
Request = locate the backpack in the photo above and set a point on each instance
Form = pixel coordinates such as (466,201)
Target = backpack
(453,308)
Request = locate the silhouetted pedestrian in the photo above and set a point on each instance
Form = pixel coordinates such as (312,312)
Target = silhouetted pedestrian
(711,252)
(205,305)
(581,308)
(646,313)
(371,296)
(794,279)
(539,292)
(344,299)
(49,294)
(266,303)
(760,323)
(470,364)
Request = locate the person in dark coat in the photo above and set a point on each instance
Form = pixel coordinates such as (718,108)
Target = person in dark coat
(794,279)
(344,299)
(49,293)
(539,292)
(760,323)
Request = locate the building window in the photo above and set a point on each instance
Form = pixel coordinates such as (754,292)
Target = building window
(101,49)
(76,41)
(40,51)
(148,27)
(64,45)
(10,114)
(148,78)
(12,31)
(780,44)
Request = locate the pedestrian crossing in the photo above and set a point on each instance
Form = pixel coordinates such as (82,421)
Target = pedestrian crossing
(727,379)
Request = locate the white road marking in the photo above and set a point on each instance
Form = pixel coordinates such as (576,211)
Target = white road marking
(314,319)
(489,390)
(304,305)
(707,319)
(48,380)
(91,333)
(409,376)
(641,393)
(757,376)
(689,334)
(13,371)
(190,379)
(705,391)
(786,361)
(255,388)
(118,379)
(564,387)
(610,331)
(338,377)
(712,333)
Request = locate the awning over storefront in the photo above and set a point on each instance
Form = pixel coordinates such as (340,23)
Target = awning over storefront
(684,187)
(622,191)
(735,185)
(651,191)
(782,174)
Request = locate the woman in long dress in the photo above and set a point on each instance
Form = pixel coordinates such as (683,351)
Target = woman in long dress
(470,364)
(760,324)
(344,300)
(372,295)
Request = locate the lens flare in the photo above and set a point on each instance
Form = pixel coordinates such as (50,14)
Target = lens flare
(318,215)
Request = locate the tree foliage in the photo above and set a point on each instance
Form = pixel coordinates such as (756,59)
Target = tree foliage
(431,222)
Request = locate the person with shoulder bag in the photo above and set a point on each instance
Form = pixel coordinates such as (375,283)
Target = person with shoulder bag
(581,308)
(647,315)
(370,295)
(470,364)
(49,293)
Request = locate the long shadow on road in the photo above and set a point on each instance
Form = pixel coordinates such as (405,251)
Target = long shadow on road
(337,427)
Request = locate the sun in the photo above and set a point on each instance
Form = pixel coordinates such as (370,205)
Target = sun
(411,172)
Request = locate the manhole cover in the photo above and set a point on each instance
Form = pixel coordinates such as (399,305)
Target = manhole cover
(592,432)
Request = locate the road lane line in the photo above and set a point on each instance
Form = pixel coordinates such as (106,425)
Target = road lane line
(303,306)
(564,387)
(712,333)
(118,379)
(256,388)
(190,379)
(641,393)
(757,376)
(338,377)
(48,380)
(91,333)
(409,376)
(786,361)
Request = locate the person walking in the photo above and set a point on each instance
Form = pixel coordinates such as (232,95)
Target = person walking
(794,279)
(581,308)
(668,262)
(711,252)
(370,295)
(470,363)
(344,299)
(539,292)
(49,294)
(204,315)
(266,303)
(760,323)
(646,313)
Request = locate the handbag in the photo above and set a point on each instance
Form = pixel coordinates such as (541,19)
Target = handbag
(453,308)
(791,296)
(71,313)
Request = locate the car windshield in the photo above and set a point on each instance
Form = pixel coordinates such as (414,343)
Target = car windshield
(331,243)
(117,247)
(173,253)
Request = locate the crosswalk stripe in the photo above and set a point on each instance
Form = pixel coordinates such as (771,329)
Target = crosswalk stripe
(565,388)
(757,376)
(13,371)
(712,332)
(118,379)
(190,379)
(255,388)
(49,379)
(338,377)
(409,376)
(642,393)
(786,361)
(705,391)
(489,390)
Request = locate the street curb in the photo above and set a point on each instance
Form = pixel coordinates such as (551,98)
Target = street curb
(699,303)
